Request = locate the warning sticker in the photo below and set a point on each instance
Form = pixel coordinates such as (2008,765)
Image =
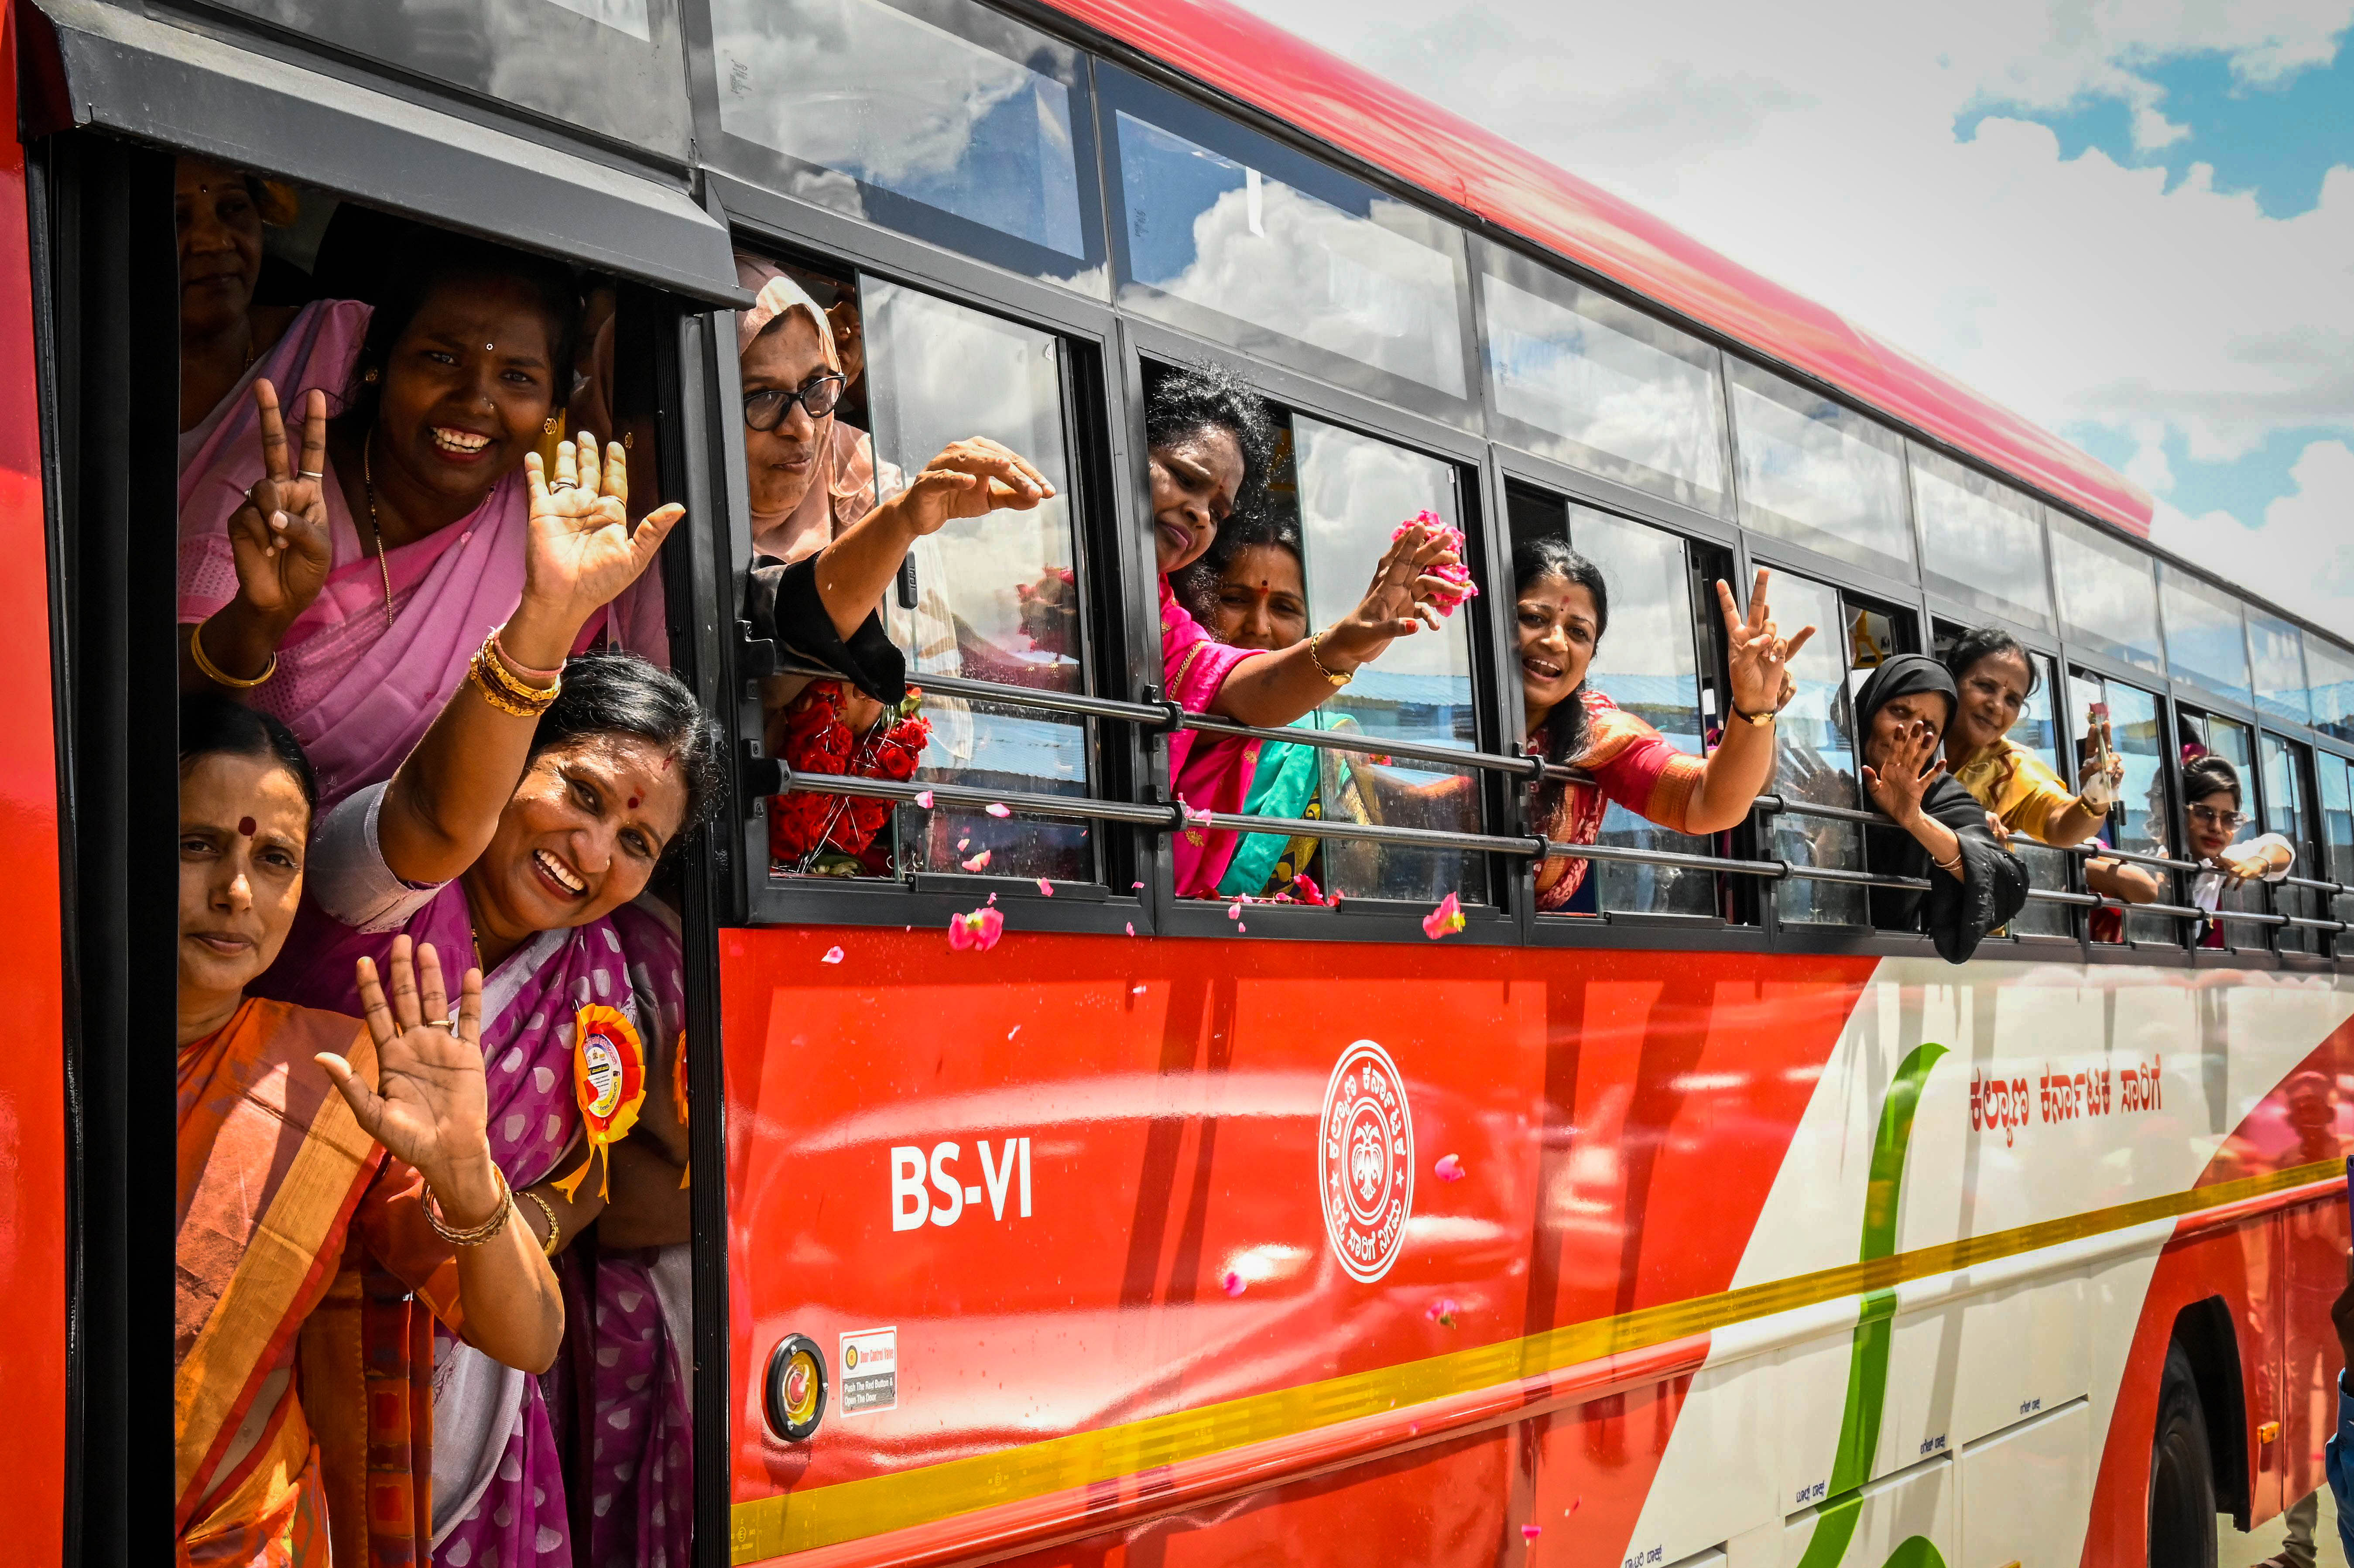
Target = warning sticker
(870,1370)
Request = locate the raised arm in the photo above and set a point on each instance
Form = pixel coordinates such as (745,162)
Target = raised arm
(970,479)
(1899,786)
(443,804)
(1270,689)
(278,540)
(1757,663)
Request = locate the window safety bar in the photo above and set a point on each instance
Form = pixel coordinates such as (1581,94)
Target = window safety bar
(1077,703)
(1376,746)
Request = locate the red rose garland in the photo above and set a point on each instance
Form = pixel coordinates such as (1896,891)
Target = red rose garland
(816,740)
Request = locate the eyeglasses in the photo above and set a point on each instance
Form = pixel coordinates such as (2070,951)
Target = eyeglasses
(2209,817)
(765,409)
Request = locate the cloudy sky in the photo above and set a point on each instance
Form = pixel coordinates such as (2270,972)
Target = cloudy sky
(2132,220)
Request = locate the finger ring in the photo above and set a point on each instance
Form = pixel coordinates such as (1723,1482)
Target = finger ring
(310,473)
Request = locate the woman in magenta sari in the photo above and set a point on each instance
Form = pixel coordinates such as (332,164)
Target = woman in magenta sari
(344,587)
(524,826)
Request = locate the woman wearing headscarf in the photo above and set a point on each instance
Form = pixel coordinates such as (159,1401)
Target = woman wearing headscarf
(345,585)
(1939,829)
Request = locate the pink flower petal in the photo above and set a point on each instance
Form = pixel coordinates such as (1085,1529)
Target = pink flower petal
(1441,1312)
(1449,1168)
(1133,887)
(1240,928)
(1235,1285)
(992,898)
(1138,991)
(1046,888)
(979,930)
(965,843)
(980,862)
(1444,920)
(1531,1532)
(1013,1032)
(996,809)
(833,956)
(1234,910)
(924,798)
(1132,928)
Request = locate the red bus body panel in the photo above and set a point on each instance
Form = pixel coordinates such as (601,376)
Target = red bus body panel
(1417,142)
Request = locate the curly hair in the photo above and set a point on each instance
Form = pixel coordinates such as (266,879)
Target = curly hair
(1201,395)
(609,693)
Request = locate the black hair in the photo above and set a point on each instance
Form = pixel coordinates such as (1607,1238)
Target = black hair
(1985,642)
(1538,555)
(1201,395)
(421,260)
(1259,528)
(212,724)
(620,693)
(2210,774)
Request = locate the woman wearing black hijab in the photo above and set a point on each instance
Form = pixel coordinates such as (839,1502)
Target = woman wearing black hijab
(1940,832)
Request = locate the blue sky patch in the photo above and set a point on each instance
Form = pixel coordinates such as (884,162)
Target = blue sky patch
(2243,487)
(2277,140)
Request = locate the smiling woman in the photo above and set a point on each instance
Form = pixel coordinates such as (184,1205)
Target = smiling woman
(339,583)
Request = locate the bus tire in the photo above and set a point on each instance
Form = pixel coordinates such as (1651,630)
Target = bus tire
(2181,1473)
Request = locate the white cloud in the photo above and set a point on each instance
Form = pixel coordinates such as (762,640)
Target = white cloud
(2152,129)
(1817,145)
(2296,555)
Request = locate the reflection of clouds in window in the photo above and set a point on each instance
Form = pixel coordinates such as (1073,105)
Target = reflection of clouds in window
(2329,675)
(1283,260)
(2203,639)
(1645,662)
(1981,543)
(2276,650)
(862,88)
(2107,595)
(626,15)
(1353,492)
(1816,472)
(1563,370)
(943,372)
(1816,760)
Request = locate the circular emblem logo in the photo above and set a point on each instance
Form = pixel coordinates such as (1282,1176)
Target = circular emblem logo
(1365,1162)
(602,1066)
(850,1358)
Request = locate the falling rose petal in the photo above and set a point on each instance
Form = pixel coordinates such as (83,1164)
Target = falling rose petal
(1134,886)
(1131,931)
(1449,1168)
(992,898)
(924,798)
(1234,910)
(833,956)
(1046,888)
(1444,920)
(964,843)
(1138,991)
(1235,1285)
(1531,1532)
(1441,1312)
(1574,1504)
(977,930)
(997,809)
(1414,1428)
(1240,928)
(1013,1032)
(980,862)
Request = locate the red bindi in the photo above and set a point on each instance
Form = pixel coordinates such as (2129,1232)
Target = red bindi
(633,802)
(245,827)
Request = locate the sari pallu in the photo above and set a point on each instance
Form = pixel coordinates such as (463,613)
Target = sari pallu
(275,1185)
(1208,773)
(358,694)
(499,1488)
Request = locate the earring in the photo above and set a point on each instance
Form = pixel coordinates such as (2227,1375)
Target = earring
(370,376)
(550,427)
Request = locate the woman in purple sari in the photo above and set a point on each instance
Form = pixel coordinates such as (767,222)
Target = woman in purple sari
(345,586)
(524,826)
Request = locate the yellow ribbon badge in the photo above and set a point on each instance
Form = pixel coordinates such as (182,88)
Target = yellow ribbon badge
(609,1075)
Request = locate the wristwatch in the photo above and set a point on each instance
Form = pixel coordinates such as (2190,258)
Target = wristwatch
(1760,720)
(1315,657)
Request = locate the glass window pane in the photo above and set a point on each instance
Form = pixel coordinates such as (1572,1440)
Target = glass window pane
(904,113)
(1820,474)
(940,373)
(2138,825)
(2337,824)
(1818,760)
(2107,598)
(2329,680)
(1338,279)
(2276,651)
(1352,493)
(1604,388)
(1646,665)
(2203,639)
(1981,542)
(2046,868)
(2289,813)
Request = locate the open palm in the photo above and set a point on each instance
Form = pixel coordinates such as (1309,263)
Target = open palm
(428,1107)
(582,552)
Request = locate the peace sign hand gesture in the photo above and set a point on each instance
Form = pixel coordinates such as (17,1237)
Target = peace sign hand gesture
(278,537)
(582,551)
(430,1107)
(1756,655)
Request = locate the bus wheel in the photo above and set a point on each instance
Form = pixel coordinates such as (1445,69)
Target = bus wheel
(2182,1476)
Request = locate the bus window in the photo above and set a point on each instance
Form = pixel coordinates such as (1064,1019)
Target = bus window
(2204,642)
(2288,812)
(1582,378)
(2138,823)
(2036,730)
(1981,542)
(2107,598)
(2329,682)
(2212,821)
(2336,821)
(2276,654)
(947,120)
(1818,475)
(1351,492)
(1648,664)
(1818,761)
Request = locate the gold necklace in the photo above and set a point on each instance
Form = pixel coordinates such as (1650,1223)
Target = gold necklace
(376,528)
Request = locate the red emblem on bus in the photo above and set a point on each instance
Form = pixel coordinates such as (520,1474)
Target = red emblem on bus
(1365,1162)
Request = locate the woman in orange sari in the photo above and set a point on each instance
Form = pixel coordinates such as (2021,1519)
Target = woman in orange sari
(317,1155)
(1562,608)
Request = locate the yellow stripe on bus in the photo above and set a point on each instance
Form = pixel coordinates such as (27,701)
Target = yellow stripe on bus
(848,1510)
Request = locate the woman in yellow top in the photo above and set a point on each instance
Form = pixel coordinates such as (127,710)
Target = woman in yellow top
(1996,677)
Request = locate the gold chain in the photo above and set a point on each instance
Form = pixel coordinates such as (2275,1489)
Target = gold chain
(376,528)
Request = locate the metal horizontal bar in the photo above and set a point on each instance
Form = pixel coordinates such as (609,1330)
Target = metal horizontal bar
(2078,900)
(1027,803)
(1782,805)
(1077,703)
(1368,833)
(1343,740)
(1855,878)
(2312,925)
(2247,918)
(2333,888)
(1625,853)
(2102,852)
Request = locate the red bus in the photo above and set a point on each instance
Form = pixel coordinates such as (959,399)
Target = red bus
(1697,1222)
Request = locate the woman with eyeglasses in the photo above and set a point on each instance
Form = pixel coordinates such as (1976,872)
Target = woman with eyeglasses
(2210,792)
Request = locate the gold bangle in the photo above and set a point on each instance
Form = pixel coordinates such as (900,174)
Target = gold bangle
(494,696)
(494,667)
(217,675)
(480,1234)
(554,1231)
(1316,659)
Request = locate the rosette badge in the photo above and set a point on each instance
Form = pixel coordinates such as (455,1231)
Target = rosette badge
(608,1077)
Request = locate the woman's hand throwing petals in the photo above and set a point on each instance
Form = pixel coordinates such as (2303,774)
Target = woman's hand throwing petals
(1902,782)
(278,537)
(970,479)
(1402,599)
(1757,657)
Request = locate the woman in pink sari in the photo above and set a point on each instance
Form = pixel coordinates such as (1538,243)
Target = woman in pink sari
(345,587)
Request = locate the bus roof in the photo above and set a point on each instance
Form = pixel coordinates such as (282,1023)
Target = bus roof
(1414,141)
